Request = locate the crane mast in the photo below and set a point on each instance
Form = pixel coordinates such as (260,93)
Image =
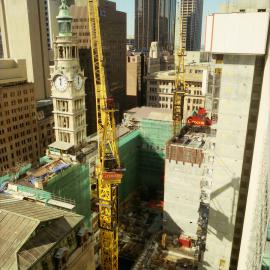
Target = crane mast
(108,170)
(180,85)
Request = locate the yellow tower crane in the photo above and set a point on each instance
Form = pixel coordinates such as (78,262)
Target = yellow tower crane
(108,169)
(180,85)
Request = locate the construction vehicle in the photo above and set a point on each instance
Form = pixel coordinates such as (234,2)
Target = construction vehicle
(108,170)
(180,86)
(199,118)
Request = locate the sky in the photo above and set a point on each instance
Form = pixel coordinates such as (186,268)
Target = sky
(127,6)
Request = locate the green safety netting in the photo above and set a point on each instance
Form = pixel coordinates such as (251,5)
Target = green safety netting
(73,184)
(142,153)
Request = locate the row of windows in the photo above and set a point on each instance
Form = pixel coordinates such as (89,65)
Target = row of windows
(192,108)
(25,108)
(161,105)
(159,98)
(62,106)
(164,90)
(18,153)
(66,52)
(171,83)
(80,27)
(81,34)
(19,93)
(81,20)
(195,101)
(63,121)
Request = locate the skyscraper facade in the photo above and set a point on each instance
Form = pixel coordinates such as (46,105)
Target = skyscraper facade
(154,21)
(113,32)
(18,124)
(23,30)
(190,12)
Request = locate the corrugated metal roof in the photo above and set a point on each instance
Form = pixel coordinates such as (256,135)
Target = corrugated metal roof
(19,219)
(14,230)
(38,245)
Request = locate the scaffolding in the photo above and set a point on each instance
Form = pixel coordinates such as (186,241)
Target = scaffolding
(73,183)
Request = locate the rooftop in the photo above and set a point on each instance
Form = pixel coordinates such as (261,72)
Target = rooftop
(61,145)
(18,221)
(192,140)
(192,137)
(159,114)
(12,71)
(170,74)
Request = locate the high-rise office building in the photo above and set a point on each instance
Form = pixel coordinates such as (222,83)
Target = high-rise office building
(239,206)
(134,80)
(18,124)
(113,31)
(23,29)
(155,21)
(190,12)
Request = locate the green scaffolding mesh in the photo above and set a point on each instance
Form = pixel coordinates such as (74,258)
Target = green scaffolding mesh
(73,183)
(128,149)
(142,153)
(155,135)
(14,176)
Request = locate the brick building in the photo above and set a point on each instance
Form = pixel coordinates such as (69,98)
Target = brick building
(18,125)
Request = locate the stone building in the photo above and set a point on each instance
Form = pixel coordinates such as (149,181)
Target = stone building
(38,236)
(160,86)
(68,82)
(18,124)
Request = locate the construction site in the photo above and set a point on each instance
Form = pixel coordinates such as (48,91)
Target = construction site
(150,231)
(131,182)
(145,192)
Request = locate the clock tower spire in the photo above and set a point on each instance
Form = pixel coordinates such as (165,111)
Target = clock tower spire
(68,83)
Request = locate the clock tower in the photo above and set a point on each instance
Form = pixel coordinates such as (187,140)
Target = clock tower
(68,83)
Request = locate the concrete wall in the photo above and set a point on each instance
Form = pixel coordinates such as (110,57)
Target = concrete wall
(222,35)
(257,209)
(180,204)
(247,5)
(235,94)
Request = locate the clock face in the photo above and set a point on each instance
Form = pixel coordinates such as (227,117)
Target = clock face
(61,83)
(78,82)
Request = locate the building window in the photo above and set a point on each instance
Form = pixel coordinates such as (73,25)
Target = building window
(64,136)
(60,52)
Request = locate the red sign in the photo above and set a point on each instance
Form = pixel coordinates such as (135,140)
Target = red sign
(112,176)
